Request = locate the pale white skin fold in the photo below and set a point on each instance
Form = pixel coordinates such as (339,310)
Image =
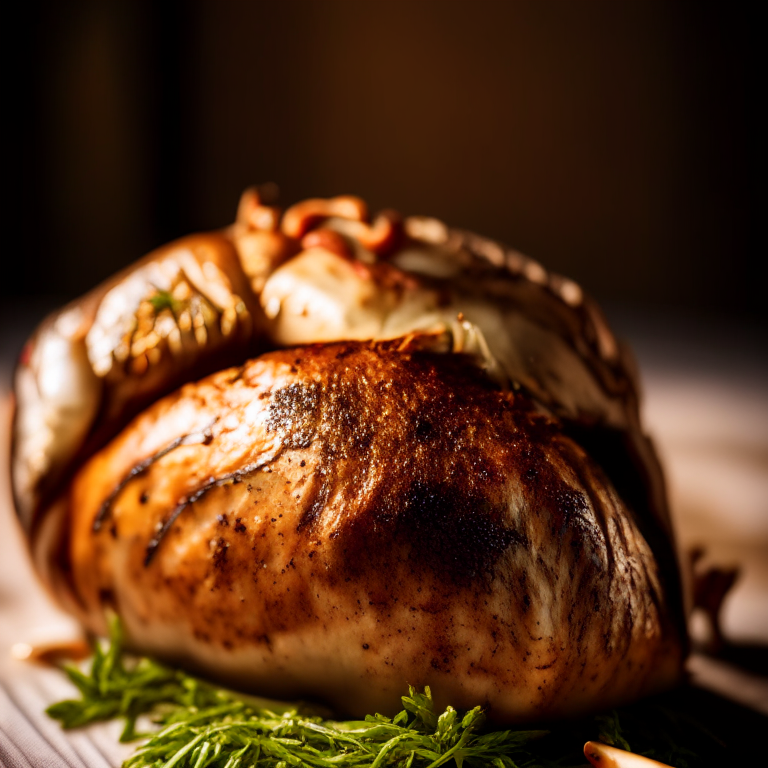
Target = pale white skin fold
(440,479)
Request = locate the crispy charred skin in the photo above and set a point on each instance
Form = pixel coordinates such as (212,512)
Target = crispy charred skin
(339,520)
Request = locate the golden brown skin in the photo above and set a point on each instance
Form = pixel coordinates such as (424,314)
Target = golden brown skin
(340,520)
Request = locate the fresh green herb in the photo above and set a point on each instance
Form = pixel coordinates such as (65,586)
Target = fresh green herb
(198,725)
(161,300)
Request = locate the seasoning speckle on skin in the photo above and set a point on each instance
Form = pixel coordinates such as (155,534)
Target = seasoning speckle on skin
(292,412)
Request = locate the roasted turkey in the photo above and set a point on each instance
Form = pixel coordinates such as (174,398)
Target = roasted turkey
(414,457)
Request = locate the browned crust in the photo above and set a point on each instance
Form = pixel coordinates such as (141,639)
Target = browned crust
(401,494)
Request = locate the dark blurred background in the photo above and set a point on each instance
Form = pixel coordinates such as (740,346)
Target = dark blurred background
(619,143)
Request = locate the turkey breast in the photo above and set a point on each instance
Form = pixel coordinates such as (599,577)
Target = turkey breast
(340,520)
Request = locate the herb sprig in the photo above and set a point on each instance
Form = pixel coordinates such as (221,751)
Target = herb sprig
(202,725)
(199,725)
